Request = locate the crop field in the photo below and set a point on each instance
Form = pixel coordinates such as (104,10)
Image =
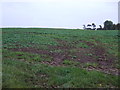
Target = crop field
(59,58)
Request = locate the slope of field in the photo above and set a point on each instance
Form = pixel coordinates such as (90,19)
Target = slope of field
(53,58)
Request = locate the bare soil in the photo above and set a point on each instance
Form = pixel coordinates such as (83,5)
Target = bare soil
(93,54)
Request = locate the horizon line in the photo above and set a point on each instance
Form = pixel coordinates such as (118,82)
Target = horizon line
(38,27)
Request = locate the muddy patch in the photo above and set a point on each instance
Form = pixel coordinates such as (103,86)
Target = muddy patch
(57,58)
(93,54)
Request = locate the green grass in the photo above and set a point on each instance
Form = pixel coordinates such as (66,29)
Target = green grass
(90,64)
(24,56)
(82,45)
(70,62)
(25,70)
(18,74)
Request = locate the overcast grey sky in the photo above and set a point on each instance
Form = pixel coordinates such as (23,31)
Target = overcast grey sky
(58,13)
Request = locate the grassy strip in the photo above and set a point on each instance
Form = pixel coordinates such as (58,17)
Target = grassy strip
(25,74)
(18,74)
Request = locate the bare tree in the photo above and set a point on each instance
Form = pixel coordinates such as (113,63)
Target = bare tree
(94,26)
(84,27)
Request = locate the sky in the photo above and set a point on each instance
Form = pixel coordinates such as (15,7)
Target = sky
(119,12)
(57,13)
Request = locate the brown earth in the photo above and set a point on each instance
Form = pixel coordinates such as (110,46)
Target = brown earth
(94,54)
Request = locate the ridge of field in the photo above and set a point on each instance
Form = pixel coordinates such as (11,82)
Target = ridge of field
(46,57)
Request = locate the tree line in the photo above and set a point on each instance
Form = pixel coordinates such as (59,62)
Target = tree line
(108,25)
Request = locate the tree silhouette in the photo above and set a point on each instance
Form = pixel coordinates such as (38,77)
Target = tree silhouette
(118,26)
(100,27)
(89,26)
(108,25)
(84,27)
(94,26)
